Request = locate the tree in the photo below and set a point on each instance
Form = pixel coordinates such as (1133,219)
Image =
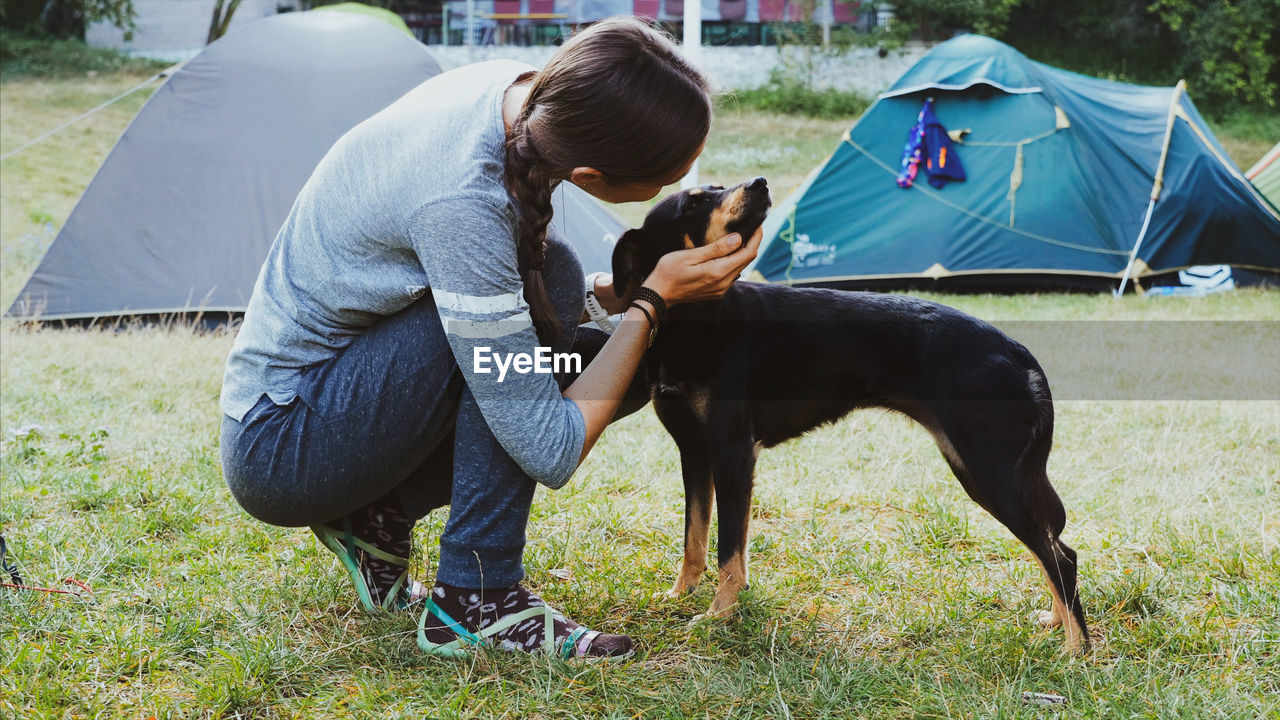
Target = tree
(1224,47)
(222,12)
(937,19)
(1226,50)
(67,18)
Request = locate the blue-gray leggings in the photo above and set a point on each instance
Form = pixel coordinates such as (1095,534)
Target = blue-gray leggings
(390,415)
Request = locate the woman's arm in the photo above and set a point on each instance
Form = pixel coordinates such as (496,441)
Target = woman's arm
(702,273)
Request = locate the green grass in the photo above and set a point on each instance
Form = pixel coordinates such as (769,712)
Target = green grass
(878,588)
(1248,134)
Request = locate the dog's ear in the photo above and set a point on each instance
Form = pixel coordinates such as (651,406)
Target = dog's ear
(634,257)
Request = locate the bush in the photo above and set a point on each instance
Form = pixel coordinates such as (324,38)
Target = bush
(789,96)
(1226,50)
(35,56)
(1249,124)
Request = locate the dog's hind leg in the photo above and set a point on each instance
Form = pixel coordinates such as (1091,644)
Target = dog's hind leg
(1038,524)
(1014,487)
(1057,560)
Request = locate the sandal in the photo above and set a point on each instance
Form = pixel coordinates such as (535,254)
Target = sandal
(575,645)
(402,594)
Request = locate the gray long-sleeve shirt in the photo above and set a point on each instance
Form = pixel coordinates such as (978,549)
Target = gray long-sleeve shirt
(410,200)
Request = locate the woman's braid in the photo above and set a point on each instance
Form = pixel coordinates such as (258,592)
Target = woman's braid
(531,188)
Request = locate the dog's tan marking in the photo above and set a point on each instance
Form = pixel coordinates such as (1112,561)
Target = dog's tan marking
(688,242)
(699,398)
(733,579)
(946,448)
(696,192)
(1048,619)
(695,549)
(728,211)
(1060,615)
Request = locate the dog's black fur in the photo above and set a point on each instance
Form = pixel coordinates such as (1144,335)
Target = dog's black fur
(767,363)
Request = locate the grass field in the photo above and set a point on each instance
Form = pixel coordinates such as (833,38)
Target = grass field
(879,589)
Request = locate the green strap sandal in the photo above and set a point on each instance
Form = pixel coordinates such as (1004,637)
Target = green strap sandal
(574,646)
(344,544)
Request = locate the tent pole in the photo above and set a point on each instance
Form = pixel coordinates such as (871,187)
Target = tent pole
(1156,187)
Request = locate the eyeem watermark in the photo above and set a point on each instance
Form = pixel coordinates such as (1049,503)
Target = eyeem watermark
(484,361)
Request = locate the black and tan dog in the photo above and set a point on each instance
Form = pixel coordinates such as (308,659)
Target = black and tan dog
(767,363)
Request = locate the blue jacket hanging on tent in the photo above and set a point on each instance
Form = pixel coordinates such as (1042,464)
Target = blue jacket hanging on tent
(930,143)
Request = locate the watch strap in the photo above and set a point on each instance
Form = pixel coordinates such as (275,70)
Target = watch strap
(596,311)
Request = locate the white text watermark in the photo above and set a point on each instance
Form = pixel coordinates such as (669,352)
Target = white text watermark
(484,361)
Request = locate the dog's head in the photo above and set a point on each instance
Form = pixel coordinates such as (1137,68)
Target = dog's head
(688,219)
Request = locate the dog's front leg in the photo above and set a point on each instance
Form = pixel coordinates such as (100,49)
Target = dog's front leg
(695,463)
(733,470)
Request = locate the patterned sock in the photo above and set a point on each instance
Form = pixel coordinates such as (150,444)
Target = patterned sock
(384,526)
(477,610)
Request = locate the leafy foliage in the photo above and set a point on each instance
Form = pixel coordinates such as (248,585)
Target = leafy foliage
(1225,49)
(25,56)
(803,48)
(787,95)
(66,18)
(1115,38)
(936,19)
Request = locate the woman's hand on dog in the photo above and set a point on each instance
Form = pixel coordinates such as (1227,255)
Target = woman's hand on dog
(703,273)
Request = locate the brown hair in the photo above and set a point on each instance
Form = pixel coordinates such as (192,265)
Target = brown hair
(617,97)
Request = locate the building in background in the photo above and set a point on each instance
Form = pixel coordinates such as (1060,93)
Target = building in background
(724,22)
(176,29)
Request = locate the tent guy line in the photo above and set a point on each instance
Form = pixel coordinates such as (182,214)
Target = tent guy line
(935,195)
(158,76)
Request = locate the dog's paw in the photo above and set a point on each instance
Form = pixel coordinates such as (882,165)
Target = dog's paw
(716,612)
(705,618)
(665,595)
(675,592)
(1046,618)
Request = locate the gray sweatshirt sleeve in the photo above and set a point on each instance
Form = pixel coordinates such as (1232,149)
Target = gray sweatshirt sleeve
(467,248)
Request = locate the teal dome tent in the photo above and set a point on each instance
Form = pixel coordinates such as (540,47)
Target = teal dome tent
(1073,182)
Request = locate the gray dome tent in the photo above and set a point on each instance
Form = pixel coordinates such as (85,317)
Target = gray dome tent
(181,214)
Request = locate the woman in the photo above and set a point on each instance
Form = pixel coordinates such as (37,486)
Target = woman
(422,237)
